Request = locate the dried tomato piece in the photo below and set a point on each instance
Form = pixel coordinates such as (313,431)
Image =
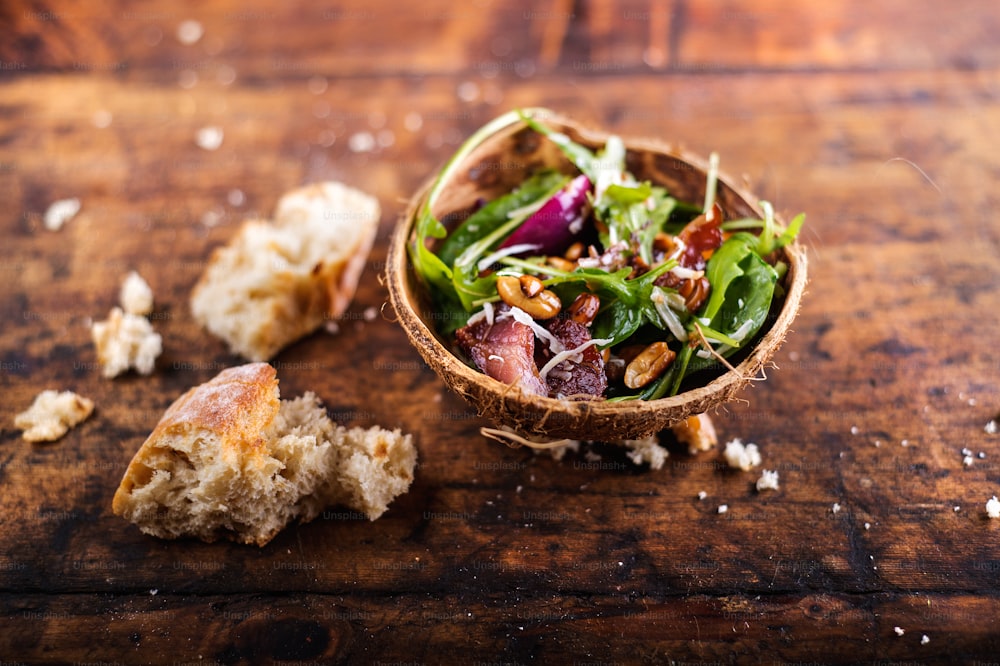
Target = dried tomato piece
(701,237)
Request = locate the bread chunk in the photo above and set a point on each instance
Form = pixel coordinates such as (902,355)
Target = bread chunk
(52,414)
(125,341)
(230,459)
(276,282)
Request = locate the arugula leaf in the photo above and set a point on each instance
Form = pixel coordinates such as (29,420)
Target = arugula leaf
(580,156)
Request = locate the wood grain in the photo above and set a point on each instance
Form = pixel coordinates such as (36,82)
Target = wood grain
(870,117)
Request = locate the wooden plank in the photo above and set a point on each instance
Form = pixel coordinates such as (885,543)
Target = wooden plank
(460,629)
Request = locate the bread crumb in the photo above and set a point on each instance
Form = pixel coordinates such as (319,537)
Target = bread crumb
(967,461)
(646,450)
(209,138)
(993,507)
(189,32)
(991,427)
(835,509)
(741,457)
(702,495)
(899,631)
(52,414)
(135,296)
(925,639)
(125,341)
(60,212)
(723,508)
(768,480)
(868,526)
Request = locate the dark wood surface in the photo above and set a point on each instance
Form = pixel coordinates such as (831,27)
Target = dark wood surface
(880,120)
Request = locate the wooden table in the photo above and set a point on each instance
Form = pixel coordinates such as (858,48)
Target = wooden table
(880,120)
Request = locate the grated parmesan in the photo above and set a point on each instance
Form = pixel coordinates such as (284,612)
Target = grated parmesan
(491,259)
(571,354)
(522,317)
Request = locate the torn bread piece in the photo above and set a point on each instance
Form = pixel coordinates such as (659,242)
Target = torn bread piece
(230,459)
(276,282)
(52,414)
(136,296)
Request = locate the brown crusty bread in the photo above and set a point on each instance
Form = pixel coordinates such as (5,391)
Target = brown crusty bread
(230,459)
(276,282)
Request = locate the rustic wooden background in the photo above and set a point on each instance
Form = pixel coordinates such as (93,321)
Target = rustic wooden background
(879,119)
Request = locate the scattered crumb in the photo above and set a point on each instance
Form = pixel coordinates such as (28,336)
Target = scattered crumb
(768,480)
(899,631)
(135,296)
(981,455)
(993,507)
(905,442)
(991,427)
(60,212)
(957,508)
(835,508)
(189,32)
(741,457)
(154,591)
(967,461)
(361,142)
(702,495)
(645,451)
(925,639)
(209,138)
(370,313)
(723,508)
(125,341)
(868,526)
(854,430)
(966,452)
(52,414)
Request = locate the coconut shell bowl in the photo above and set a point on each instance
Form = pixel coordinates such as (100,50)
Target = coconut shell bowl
(506,152)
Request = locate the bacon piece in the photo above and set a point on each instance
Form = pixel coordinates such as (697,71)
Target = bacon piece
(701,237)
(504,351)
(569,378)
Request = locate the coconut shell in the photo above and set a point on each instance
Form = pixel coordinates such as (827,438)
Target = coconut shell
(498,165)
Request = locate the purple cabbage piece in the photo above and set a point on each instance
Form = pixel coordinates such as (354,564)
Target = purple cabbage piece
(554,226)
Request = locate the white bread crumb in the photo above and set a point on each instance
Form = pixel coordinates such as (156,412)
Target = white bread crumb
(723,508)
(993,507)
(125,341)
(230,459)
(277,282)
(741,457)
(768,480)
(52,414)
(646,450)
(835,509)
(899,631)
(60,212)
(925,639)
(135,296)
(991,427)
(209,138)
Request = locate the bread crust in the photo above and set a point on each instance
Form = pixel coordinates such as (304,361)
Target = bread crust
(238,405)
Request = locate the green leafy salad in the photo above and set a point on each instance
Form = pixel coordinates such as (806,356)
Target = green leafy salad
(593,284)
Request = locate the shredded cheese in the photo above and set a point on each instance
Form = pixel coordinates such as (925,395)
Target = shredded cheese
(570,354)
(522,317)
(491,259)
